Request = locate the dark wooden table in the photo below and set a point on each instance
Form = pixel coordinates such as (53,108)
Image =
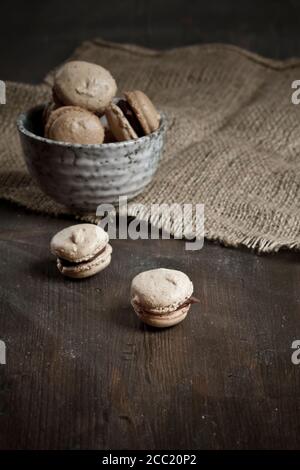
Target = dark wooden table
(81,371)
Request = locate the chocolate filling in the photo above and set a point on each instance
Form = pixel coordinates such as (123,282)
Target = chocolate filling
(191,300)
(131,117)
(69,264)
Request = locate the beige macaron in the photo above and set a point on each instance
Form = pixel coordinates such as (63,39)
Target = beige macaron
(74,125)
(82,250)
(132,117)
(84,84)
(162,297)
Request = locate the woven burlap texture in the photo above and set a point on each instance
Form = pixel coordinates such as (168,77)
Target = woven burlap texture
(233,141)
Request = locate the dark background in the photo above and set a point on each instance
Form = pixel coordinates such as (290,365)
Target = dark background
(39,34)
(82,371)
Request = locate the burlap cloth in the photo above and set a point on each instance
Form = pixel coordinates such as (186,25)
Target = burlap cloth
(233,140)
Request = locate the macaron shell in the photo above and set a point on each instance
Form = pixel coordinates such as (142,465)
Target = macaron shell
(77,127)
(79,242)
(163,321)
(119,124)
(144,109)
(161,290)
(85,84)
(56,113)
(88,269)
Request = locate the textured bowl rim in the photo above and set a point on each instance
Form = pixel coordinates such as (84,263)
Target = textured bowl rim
(22,129)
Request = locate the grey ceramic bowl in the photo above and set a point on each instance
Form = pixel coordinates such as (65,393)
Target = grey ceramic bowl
(83,176)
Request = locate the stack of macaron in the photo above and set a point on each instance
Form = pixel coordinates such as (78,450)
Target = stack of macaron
(85,110)
(82,250)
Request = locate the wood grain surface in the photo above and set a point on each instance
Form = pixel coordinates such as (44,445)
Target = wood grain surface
(82,371)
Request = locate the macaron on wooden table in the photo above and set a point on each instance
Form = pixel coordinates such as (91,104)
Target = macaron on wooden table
(82,370)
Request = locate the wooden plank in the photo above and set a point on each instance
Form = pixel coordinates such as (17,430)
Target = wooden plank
(83,372)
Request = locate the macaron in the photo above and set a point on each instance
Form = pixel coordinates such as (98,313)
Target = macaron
(82,250)
(75,125)
(80,83)
(162,297)
(132,116)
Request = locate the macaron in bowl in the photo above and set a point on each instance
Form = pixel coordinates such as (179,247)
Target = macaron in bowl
(133,116)
(74,125)
(84,84)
